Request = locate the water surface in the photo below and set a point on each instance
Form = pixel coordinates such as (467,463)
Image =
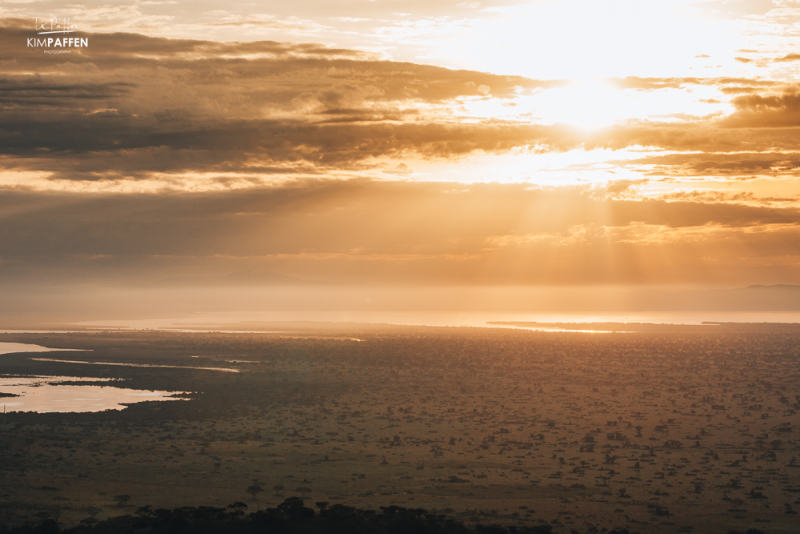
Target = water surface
(10,348)
(123,364)
(44,394)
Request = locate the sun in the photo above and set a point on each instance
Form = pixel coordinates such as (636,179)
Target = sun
(587,104)
(598,103)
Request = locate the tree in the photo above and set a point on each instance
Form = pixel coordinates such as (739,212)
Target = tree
(302,491)
(237,509)
(278,489)
(122,500)
(322,505)
(254,490)
(145,512)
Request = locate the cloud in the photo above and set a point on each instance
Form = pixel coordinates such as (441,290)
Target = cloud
(135,104)
(788,57)
(24,92)
(400,169)
(119,143)
(635,82)
(773,164)
(766,111)
(336,232)
(145,161)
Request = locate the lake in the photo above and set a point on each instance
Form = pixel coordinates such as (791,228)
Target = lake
(48,393)
(9,348)
(44,394)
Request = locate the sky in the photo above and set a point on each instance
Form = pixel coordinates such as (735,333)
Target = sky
(344,147)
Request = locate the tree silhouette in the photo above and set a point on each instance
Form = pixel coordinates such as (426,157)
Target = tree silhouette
(122,500)
(289,516)
(254,490)
(278,489)
(237,509)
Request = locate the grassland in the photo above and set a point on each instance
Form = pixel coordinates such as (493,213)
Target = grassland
(659,431)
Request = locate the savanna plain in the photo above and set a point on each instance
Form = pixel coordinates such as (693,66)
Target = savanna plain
(656,430)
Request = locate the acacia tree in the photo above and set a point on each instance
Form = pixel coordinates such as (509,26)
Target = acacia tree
(254,490)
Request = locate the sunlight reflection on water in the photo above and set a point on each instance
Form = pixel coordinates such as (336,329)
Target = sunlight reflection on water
(122,364)
(9,348)
(44,394)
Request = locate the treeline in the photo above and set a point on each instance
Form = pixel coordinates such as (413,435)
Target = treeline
(290,517)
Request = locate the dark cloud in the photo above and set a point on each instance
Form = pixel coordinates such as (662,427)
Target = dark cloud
(282,70)
(115,142)
(26,92)
(718,164)
(133,104)
(132,46)
(751,131)
(788,57)
(635,82)
(766,111)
